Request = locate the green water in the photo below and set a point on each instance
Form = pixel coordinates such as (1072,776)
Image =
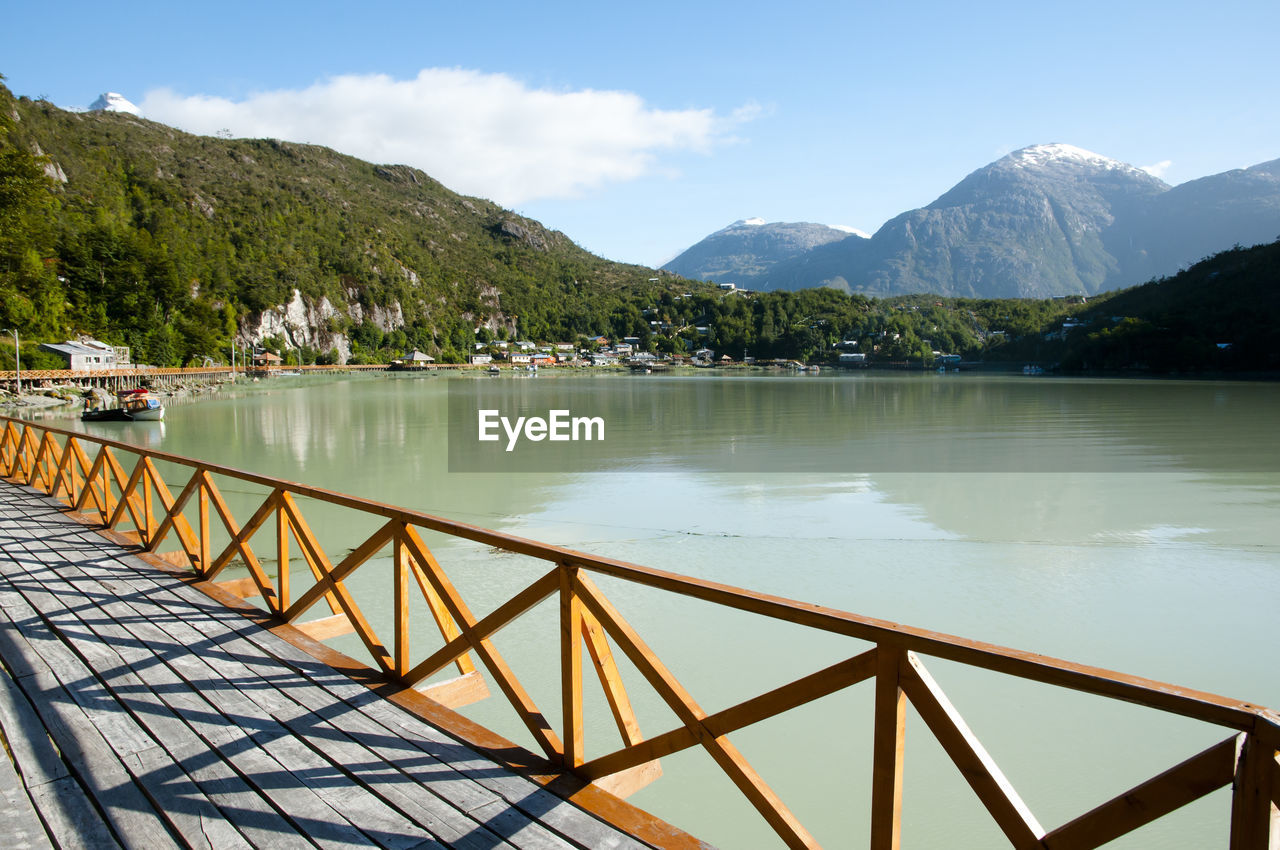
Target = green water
(1130,525)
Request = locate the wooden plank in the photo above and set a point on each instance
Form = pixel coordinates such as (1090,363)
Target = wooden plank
(177,799)
(970,757)
(245,588)
(126,808)
(187,752)
(326,627)
(280,755)
(180,802)
(22,828)
(338,835)
(1253,816)
(71,817)
(1179,785)
(311,764)
(571,626)
(27,739)
(401,794)
(887,749)
(457,692)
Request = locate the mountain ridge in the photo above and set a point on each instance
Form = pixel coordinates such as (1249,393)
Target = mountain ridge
(1042,221)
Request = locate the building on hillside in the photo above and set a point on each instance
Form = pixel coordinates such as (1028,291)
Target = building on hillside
(414,360)
(88,354)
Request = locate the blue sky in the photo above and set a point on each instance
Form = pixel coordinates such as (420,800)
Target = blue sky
(638,129)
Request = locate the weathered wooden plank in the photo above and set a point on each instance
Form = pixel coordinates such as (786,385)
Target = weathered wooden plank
(27,739)
(254,817)
(303,804)
(127,809)
(380,822)
(22,829)
(70,817)
(180,802)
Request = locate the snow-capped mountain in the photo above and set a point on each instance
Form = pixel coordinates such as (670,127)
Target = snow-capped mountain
(113,102)
(745,251)
(1045,220)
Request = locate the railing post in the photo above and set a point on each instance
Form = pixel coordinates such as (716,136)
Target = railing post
(1254,821)
(203,495)
(400,602)
(887,749)
(571,667)
(282,556)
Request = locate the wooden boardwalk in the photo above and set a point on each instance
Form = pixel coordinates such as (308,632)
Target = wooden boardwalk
(139,712)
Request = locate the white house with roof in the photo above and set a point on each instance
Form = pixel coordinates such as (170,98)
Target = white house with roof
(88,354)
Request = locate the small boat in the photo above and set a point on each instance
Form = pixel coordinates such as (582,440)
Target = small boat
(134,406)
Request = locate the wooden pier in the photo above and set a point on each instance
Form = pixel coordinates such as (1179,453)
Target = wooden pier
(141,712)
(213,721)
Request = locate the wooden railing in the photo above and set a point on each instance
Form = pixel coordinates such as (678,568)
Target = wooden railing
(138,501)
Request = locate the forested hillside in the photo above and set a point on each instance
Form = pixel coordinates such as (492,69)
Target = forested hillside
(172,244)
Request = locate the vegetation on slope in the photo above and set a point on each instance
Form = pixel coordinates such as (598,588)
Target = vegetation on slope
(175,245)
(171,243)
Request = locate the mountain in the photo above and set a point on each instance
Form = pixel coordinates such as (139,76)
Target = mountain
(1045,220)
(747,250)
(177,245)
(113,102)
(1202,217)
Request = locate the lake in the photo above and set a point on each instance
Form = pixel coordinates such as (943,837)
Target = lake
(1127,524)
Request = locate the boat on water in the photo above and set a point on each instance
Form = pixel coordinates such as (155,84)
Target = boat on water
(132,406)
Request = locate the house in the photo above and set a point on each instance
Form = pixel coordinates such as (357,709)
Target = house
(622,348)
(89,354)
(521,359)
(728,287)
(852,358)
(266,358)
(414,360)
(480,359)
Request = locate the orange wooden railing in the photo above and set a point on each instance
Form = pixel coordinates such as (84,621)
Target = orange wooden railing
(140,502)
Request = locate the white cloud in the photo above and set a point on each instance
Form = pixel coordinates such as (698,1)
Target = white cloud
(480,134)
(1159,169)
